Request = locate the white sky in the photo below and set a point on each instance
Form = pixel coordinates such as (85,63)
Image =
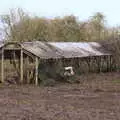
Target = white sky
(80,8)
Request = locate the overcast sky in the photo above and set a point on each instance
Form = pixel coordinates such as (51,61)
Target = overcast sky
(83,9)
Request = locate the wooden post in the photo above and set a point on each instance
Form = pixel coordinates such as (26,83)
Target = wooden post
(111,58)
(28,69)
(100,64)
(2,66)
(107,59)
(21,66)
(36,71)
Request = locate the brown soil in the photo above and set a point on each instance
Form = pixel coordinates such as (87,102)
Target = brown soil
(97,97)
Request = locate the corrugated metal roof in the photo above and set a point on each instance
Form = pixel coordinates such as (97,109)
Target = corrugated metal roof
(43,49)
(80,49)
(47,50)
(65,49)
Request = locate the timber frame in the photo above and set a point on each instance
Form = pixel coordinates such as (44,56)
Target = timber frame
(15,48)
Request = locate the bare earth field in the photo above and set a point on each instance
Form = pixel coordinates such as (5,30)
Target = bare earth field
(97,97)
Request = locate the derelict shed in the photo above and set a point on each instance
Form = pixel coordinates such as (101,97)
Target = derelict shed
(26,57)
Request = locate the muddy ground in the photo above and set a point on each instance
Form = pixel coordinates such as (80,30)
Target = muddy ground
(97,97)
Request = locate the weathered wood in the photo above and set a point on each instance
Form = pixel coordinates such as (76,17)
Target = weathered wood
(15,64)
(21,66)
(36,71)
(99,64)
(2,66)
(108,64)
(28,75)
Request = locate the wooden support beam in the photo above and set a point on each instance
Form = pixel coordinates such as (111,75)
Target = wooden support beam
(36,71)
(111,61)
(107,59)
(21,66)
(100,64)
(2,66)
(27,72)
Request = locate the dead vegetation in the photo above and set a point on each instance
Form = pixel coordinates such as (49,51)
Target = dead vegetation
(97,97)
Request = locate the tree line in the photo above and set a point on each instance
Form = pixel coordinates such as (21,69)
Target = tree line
(20,26)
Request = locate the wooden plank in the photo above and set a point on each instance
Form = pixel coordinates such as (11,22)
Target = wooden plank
(2,66)
(36,71)
(21,66)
